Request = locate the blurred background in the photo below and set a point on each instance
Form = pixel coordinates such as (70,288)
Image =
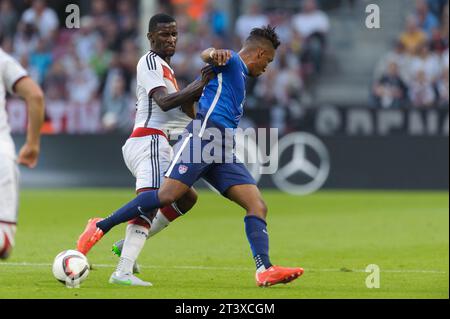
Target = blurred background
(376,100)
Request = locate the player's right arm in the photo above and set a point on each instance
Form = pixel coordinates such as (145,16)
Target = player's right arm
(184,97)
(27,89)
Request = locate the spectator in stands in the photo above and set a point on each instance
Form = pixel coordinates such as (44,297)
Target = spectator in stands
(445,22)
(444,59)
(216,19)
(41,60)
(287,78)
(44,18)
(125,12)
(86,39)
(264,88)
(438,43)
(282,20)
(7,45)
(126,20)
(399,57)
(426,61)
(101,14)
(115,69)
(443,88)
(129,58)
(413,37)
(437,6)
(101,59)
(252,19)
(25,40)
(116,105)
(311,20)
(8,19)
(127,29)
(426,19)
(70,58)
(390,90)
(111,35)
(82,85)
(195,9)
(422,93)
(312,25)
(56,80)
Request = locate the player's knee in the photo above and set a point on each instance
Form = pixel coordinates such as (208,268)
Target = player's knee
(258,209)
(189,200)
(166,198)
(263,209)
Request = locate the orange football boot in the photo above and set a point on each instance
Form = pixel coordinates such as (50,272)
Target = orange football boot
(277,275)
(91,235)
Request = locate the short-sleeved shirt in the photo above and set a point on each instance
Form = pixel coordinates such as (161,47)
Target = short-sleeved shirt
(10,72)
(223,98)
(153,72)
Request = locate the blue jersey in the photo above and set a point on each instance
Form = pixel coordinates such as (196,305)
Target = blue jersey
(223,97)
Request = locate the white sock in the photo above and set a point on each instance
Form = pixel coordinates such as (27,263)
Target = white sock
(261,269)
(132,247)
(159,223)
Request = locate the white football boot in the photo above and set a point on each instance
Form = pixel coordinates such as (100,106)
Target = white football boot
(128,280)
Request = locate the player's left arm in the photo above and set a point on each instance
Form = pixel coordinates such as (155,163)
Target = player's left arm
(27,89)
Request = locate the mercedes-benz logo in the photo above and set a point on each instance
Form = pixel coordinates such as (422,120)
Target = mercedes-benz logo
(301,161)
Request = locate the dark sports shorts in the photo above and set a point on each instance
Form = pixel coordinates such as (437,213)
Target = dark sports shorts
(202,153)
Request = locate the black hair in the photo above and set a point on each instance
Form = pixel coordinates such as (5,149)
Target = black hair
(267,33)
(159,18)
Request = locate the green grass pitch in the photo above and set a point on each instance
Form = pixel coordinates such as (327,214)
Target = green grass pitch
(333,235)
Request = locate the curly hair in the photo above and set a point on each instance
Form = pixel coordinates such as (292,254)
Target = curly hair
(267,33)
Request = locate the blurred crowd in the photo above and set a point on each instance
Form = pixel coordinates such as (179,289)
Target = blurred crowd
(416,72)
(299,58)
(96,64)
(91,70)
(90,66)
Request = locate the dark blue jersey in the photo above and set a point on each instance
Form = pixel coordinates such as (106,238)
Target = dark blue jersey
(223,97)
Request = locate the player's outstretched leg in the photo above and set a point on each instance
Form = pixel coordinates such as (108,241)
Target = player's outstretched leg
(143,204)
(249,197)
(142,228)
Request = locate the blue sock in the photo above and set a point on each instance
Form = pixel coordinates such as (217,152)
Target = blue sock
(142,204)
(258,238)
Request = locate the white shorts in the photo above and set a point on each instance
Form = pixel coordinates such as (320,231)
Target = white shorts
(9,190)
(148,159)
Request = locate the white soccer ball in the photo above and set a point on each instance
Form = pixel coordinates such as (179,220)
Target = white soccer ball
(71,268)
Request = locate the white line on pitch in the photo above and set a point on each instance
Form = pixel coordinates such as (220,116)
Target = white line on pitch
(25,264)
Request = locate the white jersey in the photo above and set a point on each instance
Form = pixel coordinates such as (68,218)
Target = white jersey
(10,72)
(154,72)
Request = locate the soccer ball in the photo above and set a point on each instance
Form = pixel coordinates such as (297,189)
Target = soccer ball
(71,268)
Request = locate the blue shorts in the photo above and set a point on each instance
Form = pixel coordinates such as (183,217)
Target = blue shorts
(209,158)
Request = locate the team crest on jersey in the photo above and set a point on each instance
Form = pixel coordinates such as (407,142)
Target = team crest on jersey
(182,169)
